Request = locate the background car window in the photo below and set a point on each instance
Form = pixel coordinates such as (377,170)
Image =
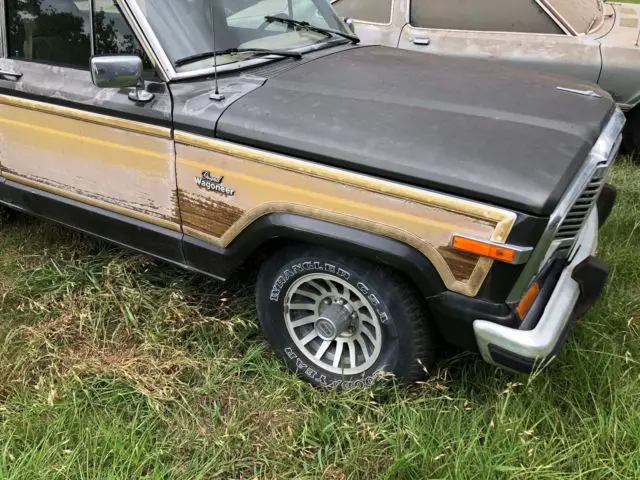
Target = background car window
(490,16)
(378,11)
(581,14)
(55,31)
(252,15)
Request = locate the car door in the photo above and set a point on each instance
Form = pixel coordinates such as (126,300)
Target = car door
(375,22)
(513,31)
(88,157)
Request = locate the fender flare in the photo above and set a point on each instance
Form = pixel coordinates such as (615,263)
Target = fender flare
(222,262)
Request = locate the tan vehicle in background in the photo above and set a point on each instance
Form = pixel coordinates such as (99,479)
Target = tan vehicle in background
(587,39)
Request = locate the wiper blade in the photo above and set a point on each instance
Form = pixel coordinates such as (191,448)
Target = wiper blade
(312,28)
(232,51)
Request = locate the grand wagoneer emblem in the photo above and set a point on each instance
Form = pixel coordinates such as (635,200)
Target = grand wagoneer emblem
(213,184)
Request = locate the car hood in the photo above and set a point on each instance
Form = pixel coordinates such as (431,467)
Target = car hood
(471,128)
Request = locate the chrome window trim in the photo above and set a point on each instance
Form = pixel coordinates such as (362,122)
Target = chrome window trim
(92,21)
(147,38)
(564,24)
(604,150)
(557,18)
(3,31)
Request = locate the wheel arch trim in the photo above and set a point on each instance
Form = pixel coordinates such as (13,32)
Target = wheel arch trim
(298,228)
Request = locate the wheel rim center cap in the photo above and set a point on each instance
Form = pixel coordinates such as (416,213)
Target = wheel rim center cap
(335,320)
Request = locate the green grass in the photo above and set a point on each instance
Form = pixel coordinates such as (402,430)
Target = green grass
(114,366)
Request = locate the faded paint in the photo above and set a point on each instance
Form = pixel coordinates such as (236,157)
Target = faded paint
(74,86)
(281,184)
(129,167)
(201,212)
(100,159)
(552,53)
(609,54)
(115,166)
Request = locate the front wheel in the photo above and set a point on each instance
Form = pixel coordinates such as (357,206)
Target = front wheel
(339,320)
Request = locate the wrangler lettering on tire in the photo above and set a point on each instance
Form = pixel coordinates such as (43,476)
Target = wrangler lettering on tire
(305,267)
(339,320)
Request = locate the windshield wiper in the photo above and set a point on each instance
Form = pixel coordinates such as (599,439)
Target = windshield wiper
(232,51)
(312,28)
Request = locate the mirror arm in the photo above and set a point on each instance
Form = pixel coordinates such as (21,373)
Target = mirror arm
(140,94)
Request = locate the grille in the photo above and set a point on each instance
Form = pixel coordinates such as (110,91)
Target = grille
(574,208)
(577,216)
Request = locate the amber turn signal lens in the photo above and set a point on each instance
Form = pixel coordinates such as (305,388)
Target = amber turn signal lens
(478,247)
(527,301)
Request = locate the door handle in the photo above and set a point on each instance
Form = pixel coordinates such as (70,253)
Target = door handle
(10,73)
(422,41)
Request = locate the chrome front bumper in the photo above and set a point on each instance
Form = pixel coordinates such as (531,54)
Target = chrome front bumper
(539,345)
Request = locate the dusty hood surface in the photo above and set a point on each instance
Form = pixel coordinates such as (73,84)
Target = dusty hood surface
(471,128)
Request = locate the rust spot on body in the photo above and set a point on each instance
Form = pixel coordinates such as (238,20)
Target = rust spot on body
(209,216)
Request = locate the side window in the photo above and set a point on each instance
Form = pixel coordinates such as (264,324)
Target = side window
(376,11)
(112,35)
(54,31)
(59,31)
(524,16)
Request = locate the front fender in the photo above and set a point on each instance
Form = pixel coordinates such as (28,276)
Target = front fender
(222,262)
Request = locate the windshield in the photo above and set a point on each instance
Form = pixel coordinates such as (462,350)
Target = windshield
(582,15)
(185,27)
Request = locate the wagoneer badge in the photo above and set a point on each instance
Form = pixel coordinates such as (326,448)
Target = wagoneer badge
(213,184)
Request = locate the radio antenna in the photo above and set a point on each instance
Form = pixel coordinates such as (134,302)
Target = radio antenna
(216,95)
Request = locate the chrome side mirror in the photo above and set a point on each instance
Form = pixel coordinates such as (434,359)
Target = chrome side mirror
(120,71)
(348,21)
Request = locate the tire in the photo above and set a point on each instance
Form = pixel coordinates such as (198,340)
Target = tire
(385,315)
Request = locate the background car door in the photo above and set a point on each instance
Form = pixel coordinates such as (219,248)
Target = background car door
(514,31)
(106,162)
